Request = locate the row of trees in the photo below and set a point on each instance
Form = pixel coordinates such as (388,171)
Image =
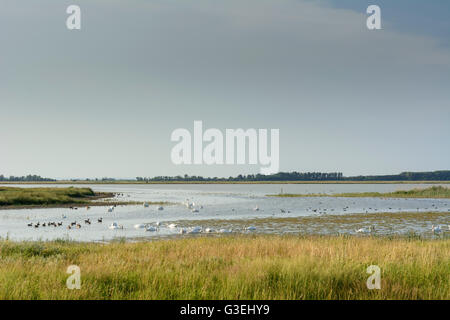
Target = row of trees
(312,176)
(30,177)
(281,176)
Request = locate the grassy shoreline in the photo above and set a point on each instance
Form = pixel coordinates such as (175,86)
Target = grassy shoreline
(237,267)
(435,192)
(35,198)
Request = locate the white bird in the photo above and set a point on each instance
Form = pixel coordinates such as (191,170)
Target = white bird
(251,228)
(195,230)
(115,226)
(224,231)
(436,229)
(151,228)
(139,226)
(172,226)
(182,230)
(158,223)
(366,230)
(209,230)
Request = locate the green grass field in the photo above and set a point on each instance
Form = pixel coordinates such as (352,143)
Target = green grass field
(435,192)
(237,267)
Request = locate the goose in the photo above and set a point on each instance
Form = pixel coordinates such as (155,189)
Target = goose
(69,227)
(100,220)
(60,224)
(282,211)
(36,226)
(194,210)
(78,226)
(30,224)
(256,208)
(436,229)
(111,209)
(87,221)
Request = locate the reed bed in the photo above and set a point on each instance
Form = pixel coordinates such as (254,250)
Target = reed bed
(230,267)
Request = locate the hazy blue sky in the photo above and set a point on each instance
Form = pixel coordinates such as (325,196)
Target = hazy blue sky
(103,101)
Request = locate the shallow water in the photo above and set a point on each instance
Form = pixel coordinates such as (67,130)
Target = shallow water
(229,206)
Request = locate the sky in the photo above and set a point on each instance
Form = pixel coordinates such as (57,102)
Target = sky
(103,101)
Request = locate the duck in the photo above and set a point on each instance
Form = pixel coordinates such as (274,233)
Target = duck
(160,208)
(30,224)
(100,220)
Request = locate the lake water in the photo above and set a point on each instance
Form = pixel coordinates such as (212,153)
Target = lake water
(226,206)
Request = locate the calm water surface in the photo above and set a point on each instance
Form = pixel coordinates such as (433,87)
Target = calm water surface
(230,206)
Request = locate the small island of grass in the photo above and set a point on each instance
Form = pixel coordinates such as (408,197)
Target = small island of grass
(19,198)
(435,192)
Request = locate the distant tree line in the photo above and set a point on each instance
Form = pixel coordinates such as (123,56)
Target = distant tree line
(30,177)
(311,176)
(443,175)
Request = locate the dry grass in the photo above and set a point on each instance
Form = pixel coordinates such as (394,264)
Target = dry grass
(238,267)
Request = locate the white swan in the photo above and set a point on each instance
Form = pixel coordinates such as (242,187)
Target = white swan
(209,230)
(366,230)
(172,226)
(115,226)
(158,223)
(225,231)
(195,230)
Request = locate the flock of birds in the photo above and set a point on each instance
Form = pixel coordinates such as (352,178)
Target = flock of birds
(194,208)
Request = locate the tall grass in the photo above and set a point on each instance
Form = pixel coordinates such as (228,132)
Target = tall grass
(246,267)
(43,196)
(431,192)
